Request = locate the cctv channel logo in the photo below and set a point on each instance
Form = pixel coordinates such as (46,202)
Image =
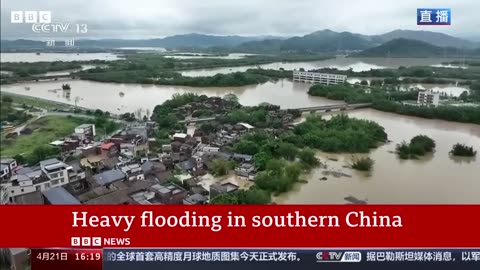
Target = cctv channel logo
(41,22)
(31,17)
(339,256)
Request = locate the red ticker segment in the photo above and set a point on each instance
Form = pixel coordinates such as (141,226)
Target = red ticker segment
(66,259)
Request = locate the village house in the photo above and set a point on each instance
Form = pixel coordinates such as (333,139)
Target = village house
(189,165)
(179,157)
(59,195)
(240,158)
(145,197)
(90,149)
(245,169)
(128,150)
(85,131)
(195,199)
(186,149)
(170,193)
(175,146)
(109,149)
(215,102)
(218,189)
(77,176)
(143,131)
(133,172)
(180,137)
(8,166)
(109,177)
(156,171)
(50,174)
(118,192)
(167,161)
(167,148)
(198,157)
(244,127)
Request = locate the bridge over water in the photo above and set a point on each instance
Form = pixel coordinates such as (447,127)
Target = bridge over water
(340,107)
(45,77)
(324,108)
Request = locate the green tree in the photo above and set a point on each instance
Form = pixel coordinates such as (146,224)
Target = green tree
(42,152)
(363,164)
(287,151)
(307,157)
(293,171)
(246,147)
(226,198)
(208,127)
(231,99)
(424,141)
(220,167)
(463,150)
(261,160)
(20,159)
(275,167)
(7,99)
(256,196)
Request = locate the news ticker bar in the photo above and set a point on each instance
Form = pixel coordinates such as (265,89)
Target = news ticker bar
(252,259)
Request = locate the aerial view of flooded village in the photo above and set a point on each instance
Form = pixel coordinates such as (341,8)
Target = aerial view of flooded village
(195,107)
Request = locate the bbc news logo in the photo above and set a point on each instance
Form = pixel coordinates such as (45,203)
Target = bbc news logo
(86,242)
(31,17)
(434,16)
(339,256)
(98,241)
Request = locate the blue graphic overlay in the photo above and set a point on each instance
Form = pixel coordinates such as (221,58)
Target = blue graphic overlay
(434,16)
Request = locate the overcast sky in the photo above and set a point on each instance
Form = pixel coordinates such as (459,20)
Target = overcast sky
(159,18)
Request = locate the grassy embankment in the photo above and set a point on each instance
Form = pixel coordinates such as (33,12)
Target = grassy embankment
(44,131)
(35,102)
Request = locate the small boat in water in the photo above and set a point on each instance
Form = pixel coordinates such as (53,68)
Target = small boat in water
(353,200)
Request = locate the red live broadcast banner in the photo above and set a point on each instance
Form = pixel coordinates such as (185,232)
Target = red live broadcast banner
(240,226)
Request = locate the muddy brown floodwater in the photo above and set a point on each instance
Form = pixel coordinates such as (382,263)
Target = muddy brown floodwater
(437,178)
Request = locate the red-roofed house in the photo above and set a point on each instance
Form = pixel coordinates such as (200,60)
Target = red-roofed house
(109,149)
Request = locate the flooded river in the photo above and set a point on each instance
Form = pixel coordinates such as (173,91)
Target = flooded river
(436,179)
(203,55)
(106,96)
(356,64)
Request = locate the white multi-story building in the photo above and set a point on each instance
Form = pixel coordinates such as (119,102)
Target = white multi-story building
(428,98)
(8,165)
(50,174)
(86,130)
(318,78)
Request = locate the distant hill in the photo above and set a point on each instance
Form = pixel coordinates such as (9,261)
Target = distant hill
(264,46)
(199,40)
(433,38)
(326,41)
(319,41)
(21,43)
(177,41)
(402,47)
(330,41)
